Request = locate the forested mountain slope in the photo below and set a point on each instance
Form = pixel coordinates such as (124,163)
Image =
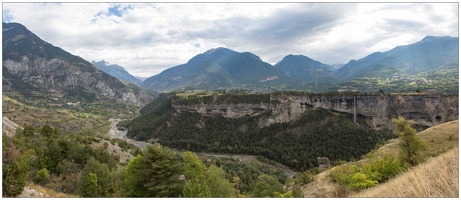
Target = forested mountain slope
(298,143)
(220,68)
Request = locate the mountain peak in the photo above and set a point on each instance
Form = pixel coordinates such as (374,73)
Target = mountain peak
(116,71)
(432,38)
(217,50)
(53,71)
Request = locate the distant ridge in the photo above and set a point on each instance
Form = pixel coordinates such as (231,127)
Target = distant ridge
(116,71)
(220,68)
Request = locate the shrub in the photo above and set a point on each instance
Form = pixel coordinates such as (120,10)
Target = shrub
(42,176)
(305,177)
(386,166)
(356,178)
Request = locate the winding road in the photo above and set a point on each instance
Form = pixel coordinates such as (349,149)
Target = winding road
(114,132)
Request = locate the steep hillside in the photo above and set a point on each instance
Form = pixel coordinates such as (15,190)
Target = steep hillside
(220,68)
(116,71)
(303,68)
(35,68)
(437,178)
(443,144)
(430,64)
(296,143)
(428,54)
(314,75)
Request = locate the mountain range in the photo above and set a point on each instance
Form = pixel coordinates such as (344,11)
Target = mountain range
(219,68)
(428,65)
(116,71)
(36,68)
(427,54)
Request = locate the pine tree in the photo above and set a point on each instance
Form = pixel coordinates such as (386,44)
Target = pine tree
(154,174)
(412,147)
(15,169)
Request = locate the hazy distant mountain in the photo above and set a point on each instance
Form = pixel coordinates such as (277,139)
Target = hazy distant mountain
(337,66)
(431,64)
(141,78)
(36,68)
(304,68)
(220,68)
(313,75)
(116,71)
(428,54)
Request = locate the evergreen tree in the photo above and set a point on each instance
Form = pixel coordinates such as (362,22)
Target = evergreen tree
(15,168)
(412,147)
(154,174)
(194,172)
(217,182)
(266,186)
(102,177)
(47,131)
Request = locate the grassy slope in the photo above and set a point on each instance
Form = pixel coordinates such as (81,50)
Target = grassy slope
(440,139)
(438,177)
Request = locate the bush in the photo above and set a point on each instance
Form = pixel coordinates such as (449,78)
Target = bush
(356,178)
(304,178)
(367,175)
(42,177)
(386,166)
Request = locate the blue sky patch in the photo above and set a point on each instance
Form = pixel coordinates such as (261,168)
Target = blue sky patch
(7,17)
(115,11)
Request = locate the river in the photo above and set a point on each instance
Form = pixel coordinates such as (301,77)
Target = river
(114,132)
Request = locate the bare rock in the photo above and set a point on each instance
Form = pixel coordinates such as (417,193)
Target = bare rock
(324,163)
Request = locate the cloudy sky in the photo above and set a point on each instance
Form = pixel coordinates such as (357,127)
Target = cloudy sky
(146,38)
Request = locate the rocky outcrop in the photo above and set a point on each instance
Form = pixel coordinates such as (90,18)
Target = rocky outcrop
(324,163)
(9,127)
(371,111)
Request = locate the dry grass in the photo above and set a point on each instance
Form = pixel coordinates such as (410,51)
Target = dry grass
(43,192)
(438,177)
(440,139)
(324,187)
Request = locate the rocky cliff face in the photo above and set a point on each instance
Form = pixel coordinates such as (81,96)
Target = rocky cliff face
(31,64)
(371,111)
(375,111)
(58,78)
(226,110)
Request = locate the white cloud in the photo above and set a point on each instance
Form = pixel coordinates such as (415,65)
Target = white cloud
(147,38)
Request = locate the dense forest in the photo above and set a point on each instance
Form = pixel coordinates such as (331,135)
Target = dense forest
(74,165)
(317,133)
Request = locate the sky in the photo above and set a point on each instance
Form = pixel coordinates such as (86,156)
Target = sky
(147,38)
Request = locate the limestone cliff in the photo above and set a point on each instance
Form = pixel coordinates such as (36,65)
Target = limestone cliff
(32,66)
(59,78)
(371,111)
